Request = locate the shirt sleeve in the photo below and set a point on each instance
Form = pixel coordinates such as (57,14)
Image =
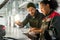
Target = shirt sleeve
(25,21)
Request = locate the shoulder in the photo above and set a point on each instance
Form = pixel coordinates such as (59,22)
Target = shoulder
(28,16)
(39,13)
(57,18)
(53,14)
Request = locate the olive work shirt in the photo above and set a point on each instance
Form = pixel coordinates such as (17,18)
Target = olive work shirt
(34,22)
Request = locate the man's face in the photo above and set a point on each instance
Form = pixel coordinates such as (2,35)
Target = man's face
(31,11)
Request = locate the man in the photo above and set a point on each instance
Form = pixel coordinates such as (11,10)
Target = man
(34,18)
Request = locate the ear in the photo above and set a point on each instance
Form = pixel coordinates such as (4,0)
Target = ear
(48,5)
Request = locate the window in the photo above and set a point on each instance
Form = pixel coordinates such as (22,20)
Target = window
(1,1)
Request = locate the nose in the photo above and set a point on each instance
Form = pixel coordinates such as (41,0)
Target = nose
(41,10)
(31,12)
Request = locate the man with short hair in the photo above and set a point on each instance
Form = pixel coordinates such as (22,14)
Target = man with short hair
(34,18)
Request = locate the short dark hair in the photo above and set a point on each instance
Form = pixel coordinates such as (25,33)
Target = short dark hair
(31,5)
(53,3)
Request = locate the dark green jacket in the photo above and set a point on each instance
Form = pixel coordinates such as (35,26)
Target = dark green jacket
(34,22)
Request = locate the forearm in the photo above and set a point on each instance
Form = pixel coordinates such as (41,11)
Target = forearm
(35,30)
(39,31)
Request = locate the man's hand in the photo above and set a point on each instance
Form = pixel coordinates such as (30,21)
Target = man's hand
(32,29)
(18,23)
(35,30)
(38,31)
